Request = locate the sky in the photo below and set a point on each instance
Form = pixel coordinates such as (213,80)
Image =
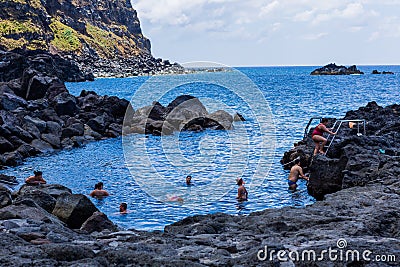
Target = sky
(272,32)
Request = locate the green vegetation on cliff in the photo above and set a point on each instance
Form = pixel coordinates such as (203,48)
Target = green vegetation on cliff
(108,44)
(9,28)
(104,28)
(65,38)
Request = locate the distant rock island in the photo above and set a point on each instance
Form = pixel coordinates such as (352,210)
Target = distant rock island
(383,72)
(333,69)
(102,37)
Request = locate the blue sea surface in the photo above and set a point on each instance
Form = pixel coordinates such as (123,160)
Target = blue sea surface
(291,95)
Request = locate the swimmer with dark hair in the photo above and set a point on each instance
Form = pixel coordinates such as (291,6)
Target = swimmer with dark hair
(99,191)
(189,180)
(123,208)
(242,192)
(35,179)
(296,172)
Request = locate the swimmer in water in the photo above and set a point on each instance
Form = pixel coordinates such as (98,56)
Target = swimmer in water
(123,208)
(242,192)
(189,180)
(174,198)
(296,172)
(99,191)
(35,179)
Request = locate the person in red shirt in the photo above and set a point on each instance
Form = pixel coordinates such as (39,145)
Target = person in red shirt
(318,138)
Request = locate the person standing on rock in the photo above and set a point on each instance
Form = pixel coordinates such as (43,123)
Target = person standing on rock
(242,192)
(99,191)
(35,179)
(296,172)
(318,138)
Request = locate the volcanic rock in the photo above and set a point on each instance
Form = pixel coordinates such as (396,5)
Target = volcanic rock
(333,69)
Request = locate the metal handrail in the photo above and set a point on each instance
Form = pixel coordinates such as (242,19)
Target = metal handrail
(339,124)
(309,123)
(358,121)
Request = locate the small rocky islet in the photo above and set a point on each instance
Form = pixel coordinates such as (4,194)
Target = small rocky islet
(333,69)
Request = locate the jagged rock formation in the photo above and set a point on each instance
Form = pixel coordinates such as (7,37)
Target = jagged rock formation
(37,113)
(364,217)
(184,113)
(354,160)
(102,36)
(333,69)
(383,72)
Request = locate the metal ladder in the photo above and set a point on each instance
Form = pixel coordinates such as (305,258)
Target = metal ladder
(336,126)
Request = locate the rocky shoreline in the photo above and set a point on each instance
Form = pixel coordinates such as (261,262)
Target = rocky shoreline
(39,115)
(363,216)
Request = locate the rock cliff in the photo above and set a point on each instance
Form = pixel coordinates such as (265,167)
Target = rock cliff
(354,160)
(103,37)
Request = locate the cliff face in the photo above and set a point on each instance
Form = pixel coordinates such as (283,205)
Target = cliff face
(102,37)
(109,29)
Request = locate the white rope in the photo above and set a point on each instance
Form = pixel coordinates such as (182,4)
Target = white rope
(298,158)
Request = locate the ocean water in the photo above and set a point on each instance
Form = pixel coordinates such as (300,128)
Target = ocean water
(145,170)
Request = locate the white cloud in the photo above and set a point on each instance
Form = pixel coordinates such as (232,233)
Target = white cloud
(374,36)
(270,7)
(355,29)
(174,12)
(350,11)
(236,23)
(313,37)
(304,16)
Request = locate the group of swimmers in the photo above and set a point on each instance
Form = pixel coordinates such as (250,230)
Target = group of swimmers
(241,196)
(296,172)
(100,192)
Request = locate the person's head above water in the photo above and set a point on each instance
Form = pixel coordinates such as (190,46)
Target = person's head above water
(37,173)
(123,207)
(188,179)
(239,181)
